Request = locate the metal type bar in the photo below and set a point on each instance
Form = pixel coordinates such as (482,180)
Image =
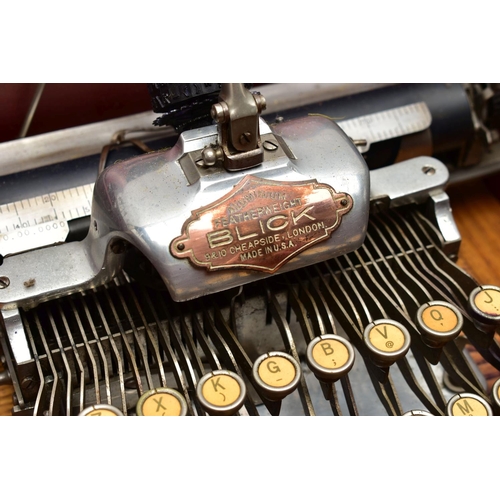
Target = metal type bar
(368,296)
(305,314)
(466,282)
(43,386)
(401,315)
(360,304)
(454,366)
(477,338)
(78,360)
(409,376)
(417,288)
(224,351)
(185,339)
(92,360)
(423,364)
(311,311)
(355,335)
(139,345)
(305,309)
(175,362)
(387,279)
(335,302)
(100,349)
(349,396)
(69,384)
(334,400)
(436,283)
(199,335)
(406,261)
(115,351)
(219,341)
(455,352)
(240,297)
(151,339)
(287,337)
(31,110)
(430,266)
(430,379)
(239,352)
(317,295)
(126,347)
(389,389)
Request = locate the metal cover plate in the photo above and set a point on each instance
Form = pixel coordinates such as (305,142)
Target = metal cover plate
(260,224)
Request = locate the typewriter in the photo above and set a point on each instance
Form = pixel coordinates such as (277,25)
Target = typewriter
(261,250)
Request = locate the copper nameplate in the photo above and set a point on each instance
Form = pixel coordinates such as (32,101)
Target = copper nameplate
(260,224)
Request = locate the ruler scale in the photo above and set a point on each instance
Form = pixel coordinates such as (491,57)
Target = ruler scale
(388,124)
(42,220)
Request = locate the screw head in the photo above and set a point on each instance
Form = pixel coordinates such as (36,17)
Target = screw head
(246,138)
(4,281)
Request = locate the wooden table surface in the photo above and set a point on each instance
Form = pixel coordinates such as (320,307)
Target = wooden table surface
(477,213)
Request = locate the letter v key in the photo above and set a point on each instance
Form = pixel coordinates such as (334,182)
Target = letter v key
(385,332)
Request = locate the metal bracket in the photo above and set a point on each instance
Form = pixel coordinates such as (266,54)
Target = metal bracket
(16,335)
(411,181)
(417,180)
(237,115)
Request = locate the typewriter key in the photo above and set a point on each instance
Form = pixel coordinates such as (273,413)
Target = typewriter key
(417,413)
(162,402)
(330,357)
(439,322)
(277,374)
(387,341)
(221,392)
(468,405)
(495,393)
(484,306)
(101,410)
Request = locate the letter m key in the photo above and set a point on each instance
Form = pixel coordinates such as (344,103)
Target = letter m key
(467,408)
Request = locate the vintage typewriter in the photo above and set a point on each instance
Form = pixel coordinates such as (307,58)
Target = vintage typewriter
(268,250)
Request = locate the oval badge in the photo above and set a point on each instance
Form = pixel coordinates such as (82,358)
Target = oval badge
(260,224)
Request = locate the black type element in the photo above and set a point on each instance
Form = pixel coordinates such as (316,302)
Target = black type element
(185,105)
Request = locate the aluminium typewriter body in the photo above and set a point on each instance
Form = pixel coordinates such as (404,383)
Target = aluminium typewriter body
(257,266)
